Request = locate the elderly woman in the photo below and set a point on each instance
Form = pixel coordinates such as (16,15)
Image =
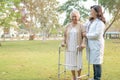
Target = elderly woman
(74,42)
(95,41)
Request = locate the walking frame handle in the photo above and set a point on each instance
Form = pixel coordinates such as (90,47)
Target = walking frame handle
(59,64)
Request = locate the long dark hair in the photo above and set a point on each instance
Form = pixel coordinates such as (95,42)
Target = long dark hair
(98,9)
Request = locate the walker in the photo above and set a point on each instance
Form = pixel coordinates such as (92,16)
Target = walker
(64,65)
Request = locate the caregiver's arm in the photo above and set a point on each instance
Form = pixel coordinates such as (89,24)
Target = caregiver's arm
(97,32)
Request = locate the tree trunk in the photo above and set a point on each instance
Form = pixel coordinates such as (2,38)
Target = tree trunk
(112,22)
(31,37)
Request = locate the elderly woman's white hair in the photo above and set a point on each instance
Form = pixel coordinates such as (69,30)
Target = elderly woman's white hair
(74,11)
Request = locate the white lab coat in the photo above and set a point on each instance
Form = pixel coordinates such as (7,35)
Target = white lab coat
(95,41)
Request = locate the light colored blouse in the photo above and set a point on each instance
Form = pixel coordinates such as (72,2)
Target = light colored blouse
(79,29)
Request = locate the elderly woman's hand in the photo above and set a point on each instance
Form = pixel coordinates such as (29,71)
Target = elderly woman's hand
(84,34)
(62,45)
(81,47)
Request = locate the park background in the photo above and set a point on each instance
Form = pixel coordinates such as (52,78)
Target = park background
(32,30)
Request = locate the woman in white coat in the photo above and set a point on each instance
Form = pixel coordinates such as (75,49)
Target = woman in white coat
(95,41)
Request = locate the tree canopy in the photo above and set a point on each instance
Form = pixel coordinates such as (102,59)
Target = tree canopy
(113,7)
(8,12)
(109,5)
(73,4)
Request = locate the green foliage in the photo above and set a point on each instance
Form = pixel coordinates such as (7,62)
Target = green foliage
(113,7)
(68,7)
(7,12)
(45,13)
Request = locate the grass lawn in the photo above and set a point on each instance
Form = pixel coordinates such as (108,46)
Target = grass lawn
(37,60)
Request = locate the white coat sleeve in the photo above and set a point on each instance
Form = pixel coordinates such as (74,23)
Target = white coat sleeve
(99,30)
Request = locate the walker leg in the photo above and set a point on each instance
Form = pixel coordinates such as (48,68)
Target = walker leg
(64,67)
(59,64)
(89,67)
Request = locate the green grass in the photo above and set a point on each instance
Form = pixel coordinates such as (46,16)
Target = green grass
(37,60)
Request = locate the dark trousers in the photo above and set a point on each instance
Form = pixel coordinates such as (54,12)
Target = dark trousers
(97,71)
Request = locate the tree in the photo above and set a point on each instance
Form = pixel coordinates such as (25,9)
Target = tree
(113,7)
(44,13)
(8,14)
(73,4)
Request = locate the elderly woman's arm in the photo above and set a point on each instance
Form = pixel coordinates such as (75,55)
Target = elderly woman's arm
(64,39)
(83,38)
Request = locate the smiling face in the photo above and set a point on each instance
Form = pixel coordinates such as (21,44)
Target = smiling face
(93,13)
(96,12)
(75,18)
